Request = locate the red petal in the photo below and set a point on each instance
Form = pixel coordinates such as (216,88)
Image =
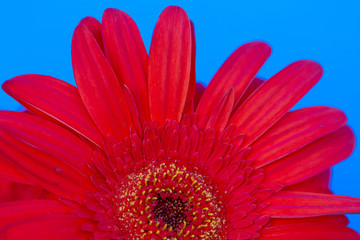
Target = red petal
(318,184)
(219,118)
(99,88)
(274,98)
(54,100)
(332,219)
(291,204)
(48,138)
(127,54)
(254,84)
(12,191)
(8,172)
(192,82)
(95,28)
(293,131)
(237,72)
(42,168)
(308,231)
(54,227)
(169,65)
(311,159)
(199,91)
(20,210)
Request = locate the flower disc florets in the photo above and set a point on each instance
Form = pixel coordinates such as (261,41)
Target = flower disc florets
(168,200)
(177,181)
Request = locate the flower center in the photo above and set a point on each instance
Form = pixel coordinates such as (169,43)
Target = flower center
(171,210)
(170,201)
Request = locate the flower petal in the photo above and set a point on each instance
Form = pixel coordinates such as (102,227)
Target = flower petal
(292,204)
(237,72)
(312,159)
(192,82)
(219,118)
(95,28)
(54,100)
(318,184)
(254,84)
(8,172)
(308,231)
(20,210)
(293,131)
(330,219)
(127,54)
(99,88)
(274,98)
(169,65)
(48,138)
(54,227)
(38,165)
(12,191)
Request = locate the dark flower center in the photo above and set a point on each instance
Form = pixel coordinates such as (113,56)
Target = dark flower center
(171,210)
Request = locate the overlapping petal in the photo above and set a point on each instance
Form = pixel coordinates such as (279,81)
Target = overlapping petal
(274,98)
(45,153)
(293,131)
(56,227)
(12,212)
(237,72)
(13,191)
(127,55)
(98,85)
(55,100)
(308,231)
(291,204)
(312,159)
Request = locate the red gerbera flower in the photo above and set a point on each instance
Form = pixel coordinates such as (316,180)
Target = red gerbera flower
(139,150)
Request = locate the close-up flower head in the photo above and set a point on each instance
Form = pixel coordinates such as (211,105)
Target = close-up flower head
(139,149)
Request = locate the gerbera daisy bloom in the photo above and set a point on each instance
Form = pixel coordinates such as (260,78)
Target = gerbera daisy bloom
(139,150)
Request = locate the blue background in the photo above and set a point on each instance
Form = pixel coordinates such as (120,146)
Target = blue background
(36,36)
